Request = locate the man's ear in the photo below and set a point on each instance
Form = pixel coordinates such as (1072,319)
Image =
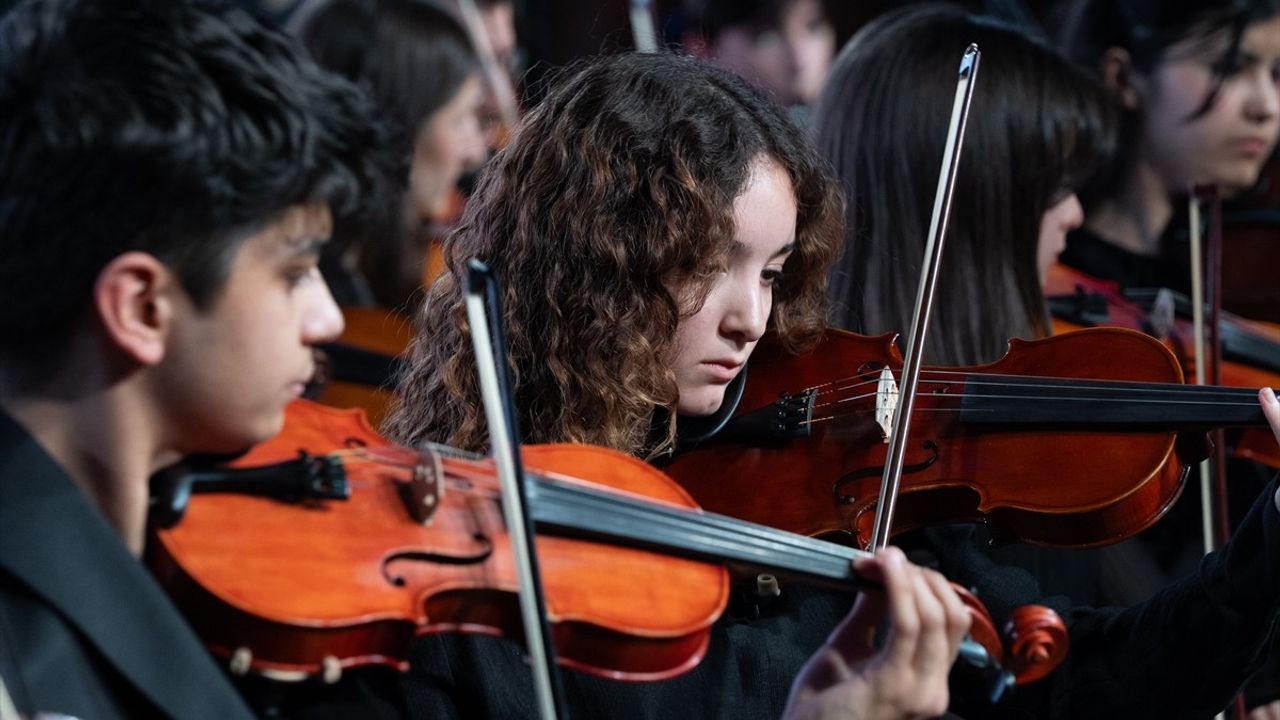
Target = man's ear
(134,303)
(1120,78)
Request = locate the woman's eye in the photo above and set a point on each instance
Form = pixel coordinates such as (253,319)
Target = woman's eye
(771,276)
(296,276)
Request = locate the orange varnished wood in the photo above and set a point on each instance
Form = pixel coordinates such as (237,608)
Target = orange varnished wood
(298,582)
(1065,487)
(378,330)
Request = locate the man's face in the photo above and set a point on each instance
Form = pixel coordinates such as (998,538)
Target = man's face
(230,369)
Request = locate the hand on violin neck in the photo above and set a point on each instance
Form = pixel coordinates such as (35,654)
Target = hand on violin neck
(1271,410)
(906,678)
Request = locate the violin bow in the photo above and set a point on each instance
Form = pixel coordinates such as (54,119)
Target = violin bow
(643,33)
(504,433)
(925,291)
(498,80)
(1207,337)
(1208,352)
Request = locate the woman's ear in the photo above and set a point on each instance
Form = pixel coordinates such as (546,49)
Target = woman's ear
(1119,77)
(132,300)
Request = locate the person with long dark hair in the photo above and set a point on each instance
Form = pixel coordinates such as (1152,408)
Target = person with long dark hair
(1037,129)
(417,63)
(1196,83)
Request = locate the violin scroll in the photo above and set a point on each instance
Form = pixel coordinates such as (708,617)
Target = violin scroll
(1031,644)
(1037,641)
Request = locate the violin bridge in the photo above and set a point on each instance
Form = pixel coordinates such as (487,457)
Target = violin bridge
(1163,312)
(425,487)
(886,402)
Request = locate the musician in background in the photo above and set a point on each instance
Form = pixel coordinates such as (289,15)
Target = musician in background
(1196,85)
(416,61)
(498,29)
(784,47)
(1037,129)
(170,172)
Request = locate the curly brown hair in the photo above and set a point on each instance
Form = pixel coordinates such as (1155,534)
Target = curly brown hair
(619,186)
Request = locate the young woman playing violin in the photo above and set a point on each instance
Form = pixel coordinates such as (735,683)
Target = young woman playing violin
(1036,128)
(649,220)
(160,298)
(1196,82)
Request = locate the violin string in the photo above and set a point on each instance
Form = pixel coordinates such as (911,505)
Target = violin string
(732,538)
(1062,383)
(866,411)
(1244,399)
(1244,396)
(588,500)
(1225,403)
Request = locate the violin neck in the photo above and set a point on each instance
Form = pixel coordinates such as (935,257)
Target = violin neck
(577,511)
(1056,402)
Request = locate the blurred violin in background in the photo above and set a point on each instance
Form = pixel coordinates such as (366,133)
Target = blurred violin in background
(1250,349)
(358,369)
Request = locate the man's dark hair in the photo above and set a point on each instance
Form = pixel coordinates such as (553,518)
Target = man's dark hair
(174,128)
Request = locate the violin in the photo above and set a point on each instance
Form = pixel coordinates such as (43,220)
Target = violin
(333,548)
(1076,440)
(1250,349)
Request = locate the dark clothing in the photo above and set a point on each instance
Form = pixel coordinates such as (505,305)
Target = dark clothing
(1093,255)
(1181,654)
(746,673)
(84,630)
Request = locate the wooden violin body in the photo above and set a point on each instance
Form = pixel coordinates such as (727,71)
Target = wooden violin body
(1055,465)
(291,589)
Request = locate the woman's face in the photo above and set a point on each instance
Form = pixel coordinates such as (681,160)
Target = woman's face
(449,143)
(791,60)
(1062,217)
(713,344)
(1228,144)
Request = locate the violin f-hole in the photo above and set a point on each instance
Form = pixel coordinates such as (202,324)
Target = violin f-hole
(841,498)
(480,555)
